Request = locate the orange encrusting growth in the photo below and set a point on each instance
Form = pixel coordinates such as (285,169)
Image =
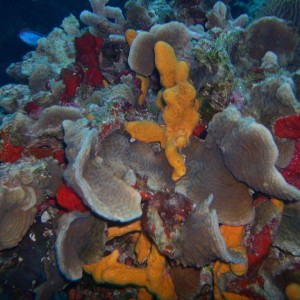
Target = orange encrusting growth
(144,88)
(155,277)
(292,291)
(130,35)
(154,131)
(165,62)
(233,236)
(278,204)
(180,114)
(143,294)
(142,248)
(113,232)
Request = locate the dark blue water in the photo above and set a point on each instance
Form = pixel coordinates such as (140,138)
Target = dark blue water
(38,15)
(43,16)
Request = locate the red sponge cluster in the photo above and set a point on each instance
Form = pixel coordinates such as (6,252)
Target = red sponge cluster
(289,127)
(69,200)
(86,69)
(9,152)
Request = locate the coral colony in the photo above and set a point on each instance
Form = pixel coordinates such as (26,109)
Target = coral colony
(154,153)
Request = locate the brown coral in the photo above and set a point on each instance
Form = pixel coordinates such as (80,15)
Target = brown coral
(109,196)
(285,9)
(250,153)
(282,41)
(201,240)
(288,237)
(80,240)
(141,55)
(219,181)
(22,187)
(103,173)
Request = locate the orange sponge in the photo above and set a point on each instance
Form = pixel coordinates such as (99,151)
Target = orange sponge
(180,114)
(155,277)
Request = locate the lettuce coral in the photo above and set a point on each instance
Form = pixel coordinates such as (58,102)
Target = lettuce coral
(80,240)
(21,190)
(115,163)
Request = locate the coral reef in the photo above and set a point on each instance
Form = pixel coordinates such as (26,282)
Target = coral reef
(53,53)
(154,164)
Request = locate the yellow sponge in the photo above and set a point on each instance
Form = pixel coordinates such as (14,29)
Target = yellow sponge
(180,112)
(165,62)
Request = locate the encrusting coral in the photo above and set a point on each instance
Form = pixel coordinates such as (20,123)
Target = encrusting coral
(180,114)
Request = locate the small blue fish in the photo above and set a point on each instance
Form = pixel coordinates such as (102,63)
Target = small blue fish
(30,37)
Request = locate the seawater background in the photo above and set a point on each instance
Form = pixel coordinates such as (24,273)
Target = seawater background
(38,15)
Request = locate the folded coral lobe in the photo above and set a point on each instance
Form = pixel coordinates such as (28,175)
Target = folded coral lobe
(99,180)
(253,157)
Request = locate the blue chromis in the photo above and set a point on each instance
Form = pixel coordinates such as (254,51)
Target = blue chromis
(30,37)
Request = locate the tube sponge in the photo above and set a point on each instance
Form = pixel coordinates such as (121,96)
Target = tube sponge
(180,114)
